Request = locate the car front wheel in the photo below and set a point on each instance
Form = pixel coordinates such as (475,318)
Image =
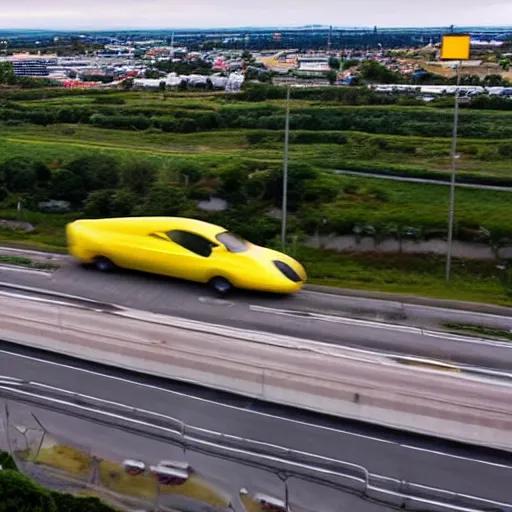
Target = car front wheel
(220,285)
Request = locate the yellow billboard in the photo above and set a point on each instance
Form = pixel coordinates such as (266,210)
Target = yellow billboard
(455,47)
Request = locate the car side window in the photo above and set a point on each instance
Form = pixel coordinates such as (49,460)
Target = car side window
(192,242)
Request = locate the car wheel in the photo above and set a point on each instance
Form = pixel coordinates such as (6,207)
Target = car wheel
(220,286)
(103,264)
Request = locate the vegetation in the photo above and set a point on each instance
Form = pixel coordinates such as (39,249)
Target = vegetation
(114,478)
(130,153)
(479,330)
(27,262)
(19,494)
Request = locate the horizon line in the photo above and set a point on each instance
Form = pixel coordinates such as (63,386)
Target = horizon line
(248,27)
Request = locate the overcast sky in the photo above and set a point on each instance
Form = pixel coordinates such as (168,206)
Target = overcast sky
(99,14)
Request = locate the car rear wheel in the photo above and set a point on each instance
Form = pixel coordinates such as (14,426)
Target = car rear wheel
(220,285)
(103,264)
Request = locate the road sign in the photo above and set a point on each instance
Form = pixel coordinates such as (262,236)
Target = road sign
(455,47)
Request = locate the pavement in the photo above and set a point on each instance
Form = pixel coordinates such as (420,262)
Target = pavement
(224,476)
(426,461)
(427,181)
(311,314)
(322,377)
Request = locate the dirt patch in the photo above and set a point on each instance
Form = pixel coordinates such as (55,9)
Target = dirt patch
(16,225)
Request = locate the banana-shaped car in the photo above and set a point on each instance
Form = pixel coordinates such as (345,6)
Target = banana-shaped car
(183,248)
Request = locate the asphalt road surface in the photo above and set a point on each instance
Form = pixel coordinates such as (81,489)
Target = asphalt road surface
(311,315)
(225,477)
(422,460)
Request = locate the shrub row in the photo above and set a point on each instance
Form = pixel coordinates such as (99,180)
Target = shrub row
(405,121)
(19,494)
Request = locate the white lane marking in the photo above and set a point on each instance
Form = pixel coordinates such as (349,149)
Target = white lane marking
(336,296)
(418,449)
(199,441)
(334,319)
(47,255)
(217,302)
(277,340)
(401,305)
(249,411)
(25,270)
(379,325)
(51,293)
(35,299)
(468,339)
(489,316)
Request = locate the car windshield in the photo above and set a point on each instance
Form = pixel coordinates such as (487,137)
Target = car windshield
(232,242)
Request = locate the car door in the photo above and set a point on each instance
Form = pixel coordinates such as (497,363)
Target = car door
(189,256)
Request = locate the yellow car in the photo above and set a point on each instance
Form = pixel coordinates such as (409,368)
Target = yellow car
(183,248)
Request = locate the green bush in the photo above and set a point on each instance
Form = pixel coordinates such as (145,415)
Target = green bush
(70,503)
(19,494)
(165,199)
(97,170)
(109,100)
(7,462)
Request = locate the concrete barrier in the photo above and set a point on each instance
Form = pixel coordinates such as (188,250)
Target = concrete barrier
(372,389)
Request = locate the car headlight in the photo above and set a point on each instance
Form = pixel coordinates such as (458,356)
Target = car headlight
(287,271)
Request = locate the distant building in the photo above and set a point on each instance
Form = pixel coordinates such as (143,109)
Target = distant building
(25,64)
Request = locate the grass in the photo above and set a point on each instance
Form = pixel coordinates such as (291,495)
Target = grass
(67,459)
(479,330)
(419,275)
(381,204)
(361,151)
(113,477)
(143,486)
(27,262)
(250,505)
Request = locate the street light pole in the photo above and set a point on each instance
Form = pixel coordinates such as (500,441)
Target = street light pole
(452,183)
(284,205)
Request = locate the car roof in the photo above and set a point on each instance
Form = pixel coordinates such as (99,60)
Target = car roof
(149,225)
(198,226)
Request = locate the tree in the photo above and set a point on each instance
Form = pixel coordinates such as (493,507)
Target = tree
(127,84)
(138,176)
(332,76)
(163,199)
(19,494)
(98,171)
(22,174)
(349,63)
(234,184)
(248,58)
(334,63)
(67,186)
(122,203)
(98,204)
(7,76)
(109,203)
(374,71)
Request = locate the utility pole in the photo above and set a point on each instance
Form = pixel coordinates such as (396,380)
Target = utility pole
(452,183)
(284,205)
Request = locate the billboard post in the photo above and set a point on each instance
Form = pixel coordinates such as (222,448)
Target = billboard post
(457,48)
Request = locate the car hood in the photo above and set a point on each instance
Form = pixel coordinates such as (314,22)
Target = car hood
(266,258)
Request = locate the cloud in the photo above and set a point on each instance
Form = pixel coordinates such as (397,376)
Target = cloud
(224,13)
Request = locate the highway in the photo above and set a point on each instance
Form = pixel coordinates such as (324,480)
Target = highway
(349,321)
(415,459)
(226,477)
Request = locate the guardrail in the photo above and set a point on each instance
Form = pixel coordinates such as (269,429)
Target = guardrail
(319,377)
(275,458)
